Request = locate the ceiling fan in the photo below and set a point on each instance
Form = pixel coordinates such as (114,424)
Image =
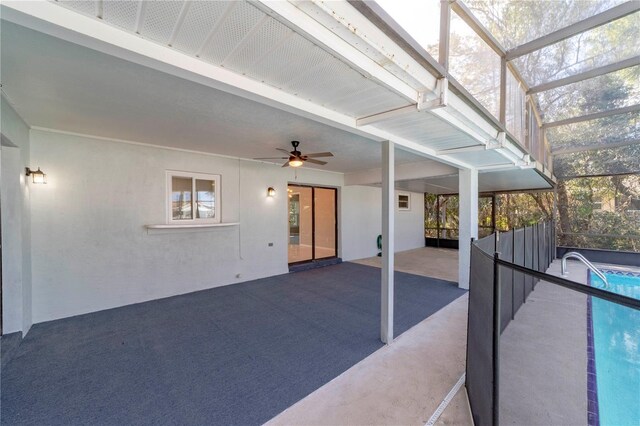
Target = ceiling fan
(296,159)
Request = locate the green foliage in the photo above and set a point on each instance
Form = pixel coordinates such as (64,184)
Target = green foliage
(600,212)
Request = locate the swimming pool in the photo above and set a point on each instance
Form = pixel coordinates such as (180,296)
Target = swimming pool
(616,353)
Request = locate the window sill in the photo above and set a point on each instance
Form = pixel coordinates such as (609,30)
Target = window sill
(191,225)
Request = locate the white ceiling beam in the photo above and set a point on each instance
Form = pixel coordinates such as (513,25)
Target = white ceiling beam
(216,27)
(445,35)
(140,12)
(99,8)
(241,44)
(627,63)
(470,148)
(51,19)
(340,18)
(179,22)
(404,171)
(594,116)
(365,35)
(426,103)
(382,116)
(592,22)
(306,25)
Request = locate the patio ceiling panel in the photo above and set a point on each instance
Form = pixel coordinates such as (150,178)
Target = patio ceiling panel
(363,30)
(488,181)
(241,37)
(428,130)
(483,159)
(200,18)
(301,54)
(123,14)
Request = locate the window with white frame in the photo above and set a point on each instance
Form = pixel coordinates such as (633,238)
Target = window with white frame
(193,198)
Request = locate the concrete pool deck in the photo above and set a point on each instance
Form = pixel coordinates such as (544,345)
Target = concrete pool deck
(405,382)
(402,383)
(426,261)
(543,356)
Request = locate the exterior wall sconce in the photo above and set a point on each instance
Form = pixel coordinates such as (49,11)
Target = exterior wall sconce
(37,176)
(271,192)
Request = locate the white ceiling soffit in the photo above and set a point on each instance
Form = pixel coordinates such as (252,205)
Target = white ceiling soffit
(54,84)
(294,63)
(495,181)
(363,35)
(406,171)
(319,86)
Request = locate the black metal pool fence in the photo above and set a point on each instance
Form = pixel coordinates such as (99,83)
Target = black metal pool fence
(505,268)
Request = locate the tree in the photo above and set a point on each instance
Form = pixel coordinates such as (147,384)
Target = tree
(579,199)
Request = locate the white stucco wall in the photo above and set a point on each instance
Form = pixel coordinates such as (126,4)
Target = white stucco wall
(16,223)
(91,250)
(362,217)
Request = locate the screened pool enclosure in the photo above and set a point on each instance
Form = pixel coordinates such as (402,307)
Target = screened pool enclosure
(562,78)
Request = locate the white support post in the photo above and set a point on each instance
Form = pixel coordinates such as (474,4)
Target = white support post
(388,210)
(468,218)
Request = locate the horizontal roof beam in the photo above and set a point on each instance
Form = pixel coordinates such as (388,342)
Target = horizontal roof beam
(594,116)
(381,116)
(595,21)
(595,146)
(467,16)
(330,41)
(470,148)
(404,171)
(627,63)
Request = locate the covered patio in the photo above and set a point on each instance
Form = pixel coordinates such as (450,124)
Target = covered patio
(233,355)
(167,257)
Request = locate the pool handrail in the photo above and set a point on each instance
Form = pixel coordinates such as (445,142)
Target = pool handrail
(576,255)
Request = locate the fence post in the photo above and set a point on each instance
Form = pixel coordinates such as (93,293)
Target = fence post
(513,275)
(524,263)
(544,246)
(533,254)
(538,246)
(496,339)
(555,241)
(550,242)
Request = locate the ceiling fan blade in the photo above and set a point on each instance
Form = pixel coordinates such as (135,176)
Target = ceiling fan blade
(284,150)
(286,164)
(319,154)
(311,160)
(272,158)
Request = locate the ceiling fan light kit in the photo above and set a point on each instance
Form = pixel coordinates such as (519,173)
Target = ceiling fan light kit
(296,158)
(295,162)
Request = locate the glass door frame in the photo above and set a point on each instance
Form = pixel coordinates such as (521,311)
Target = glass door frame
(313,222)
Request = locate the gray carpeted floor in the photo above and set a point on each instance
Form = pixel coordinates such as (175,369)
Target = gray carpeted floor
(238,354)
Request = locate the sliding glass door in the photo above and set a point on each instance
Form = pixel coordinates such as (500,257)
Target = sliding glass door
(313,223)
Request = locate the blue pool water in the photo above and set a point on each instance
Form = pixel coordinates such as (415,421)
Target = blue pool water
(616,341)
